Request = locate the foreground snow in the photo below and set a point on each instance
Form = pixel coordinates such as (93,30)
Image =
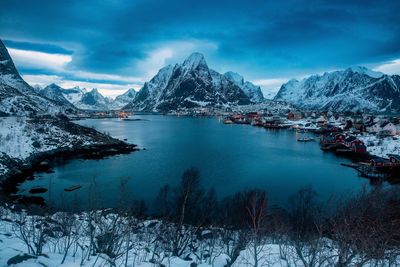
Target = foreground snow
(141,253)
(75,240)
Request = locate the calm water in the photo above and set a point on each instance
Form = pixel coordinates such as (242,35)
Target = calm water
(230,158)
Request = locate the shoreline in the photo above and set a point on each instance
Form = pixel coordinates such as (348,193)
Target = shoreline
(41,162)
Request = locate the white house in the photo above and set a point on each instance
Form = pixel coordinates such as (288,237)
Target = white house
(390,128)
(375,128)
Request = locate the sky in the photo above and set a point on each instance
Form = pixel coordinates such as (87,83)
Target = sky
(114,45)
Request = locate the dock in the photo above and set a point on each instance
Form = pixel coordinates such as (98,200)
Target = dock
(366,170)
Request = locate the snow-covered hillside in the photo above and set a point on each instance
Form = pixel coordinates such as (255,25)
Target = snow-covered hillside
(381,146)
(124,99)
(74,95)
(186,85)
(22,137)
(353,89)
(56,93)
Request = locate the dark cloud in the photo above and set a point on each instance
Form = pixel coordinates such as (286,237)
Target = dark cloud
(270,36)
(48,48)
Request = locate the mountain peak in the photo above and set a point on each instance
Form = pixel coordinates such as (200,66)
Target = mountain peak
(53,85)
(366,71)
(6,64)
(234,77)
(194,60)
(131,91)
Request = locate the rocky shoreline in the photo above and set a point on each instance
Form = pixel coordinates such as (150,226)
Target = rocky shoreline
(19,171)
(37,144)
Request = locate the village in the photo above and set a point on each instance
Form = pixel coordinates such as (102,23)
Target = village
(370,141)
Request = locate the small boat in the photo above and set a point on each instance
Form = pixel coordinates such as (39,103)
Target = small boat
(305,139)
(72,188)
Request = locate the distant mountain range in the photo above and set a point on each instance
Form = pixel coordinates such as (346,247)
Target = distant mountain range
(187,85)
(353,89)
(193,84)
(86,100)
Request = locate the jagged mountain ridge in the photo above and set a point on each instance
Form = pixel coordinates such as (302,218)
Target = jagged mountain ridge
(56,93)
(187,85)
(93,100)
(252,91)
(16,96)
(86,100)
(353,89)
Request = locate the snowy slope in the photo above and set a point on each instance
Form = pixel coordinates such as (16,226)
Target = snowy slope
(56,93)
(353,89)
(23,137)
(124,99)
(187,85)
(252,91)
(74,95)
(16,96)
(93,100)
(19,134)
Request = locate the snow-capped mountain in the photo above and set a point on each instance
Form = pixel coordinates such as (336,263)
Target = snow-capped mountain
(187,85)
(93,100)
(74,95)
(124,99)
(353,89)
(16,96)
(86,100)
(56,93)
(252,91)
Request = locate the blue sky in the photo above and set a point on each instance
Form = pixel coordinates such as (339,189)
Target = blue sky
(114,45)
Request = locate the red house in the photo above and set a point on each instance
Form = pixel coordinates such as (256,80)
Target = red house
(355,144)
(339,138)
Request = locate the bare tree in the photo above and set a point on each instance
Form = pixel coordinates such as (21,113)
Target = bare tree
(365,228)
(187,194)
(306,227)
(256,207)
(33,230)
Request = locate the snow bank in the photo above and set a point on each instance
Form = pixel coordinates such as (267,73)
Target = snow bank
(381,146)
